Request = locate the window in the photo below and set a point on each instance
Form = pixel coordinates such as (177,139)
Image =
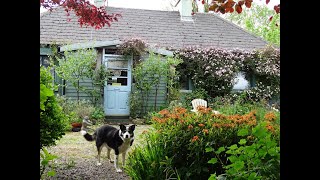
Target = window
(240,82)
(44,61)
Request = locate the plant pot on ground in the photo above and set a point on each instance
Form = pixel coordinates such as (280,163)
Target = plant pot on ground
(76,126)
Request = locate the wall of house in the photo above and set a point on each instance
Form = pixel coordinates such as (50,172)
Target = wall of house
(161,93)
(71,92)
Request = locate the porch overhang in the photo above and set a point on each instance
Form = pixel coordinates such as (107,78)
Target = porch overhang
(92,44)
(97,44)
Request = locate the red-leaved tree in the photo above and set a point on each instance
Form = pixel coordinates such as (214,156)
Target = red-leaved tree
(228,6)
(88,14)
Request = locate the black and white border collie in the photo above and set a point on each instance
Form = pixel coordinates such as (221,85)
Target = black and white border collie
(120,140)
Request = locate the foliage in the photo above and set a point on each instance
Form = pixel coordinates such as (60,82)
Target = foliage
(183,137)
(52,120)
(198,93)
(98,115)
(46,160)
(76,110)
(148,75)
(132,47)
(267,29)
(78,65)
(228,6)
(145,162)
(257,157)
(88,14)
(214,69)
(98,78)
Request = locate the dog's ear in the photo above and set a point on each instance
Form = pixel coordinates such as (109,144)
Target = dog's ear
(122,127)
(132,127)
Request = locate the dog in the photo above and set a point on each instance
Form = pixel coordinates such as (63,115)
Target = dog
(119,140)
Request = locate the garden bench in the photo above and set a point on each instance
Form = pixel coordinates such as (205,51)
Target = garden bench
(200,102)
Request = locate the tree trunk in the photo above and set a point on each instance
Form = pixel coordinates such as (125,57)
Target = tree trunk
(155,99)
(78,91)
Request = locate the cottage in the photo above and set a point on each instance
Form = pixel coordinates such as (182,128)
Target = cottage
(162,29)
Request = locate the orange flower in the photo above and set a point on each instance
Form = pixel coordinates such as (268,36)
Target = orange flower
(190,126)
(270,116)
(201,125)
(203,109)
(270,128)
(164,111)
(217,125)
(195,138)
(206,131)
(180,110)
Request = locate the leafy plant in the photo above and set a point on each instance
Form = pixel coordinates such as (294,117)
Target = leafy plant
(268,29)
(198,93)
(183,136)
(98,115)
(214,69)
(46,160)
(76,110)
(258,159)
(148,76)
(52,120)
(75,66)
(132,47)
(148,161)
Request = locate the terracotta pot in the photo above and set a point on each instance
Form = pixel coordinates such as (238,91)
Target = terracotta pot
(76,125)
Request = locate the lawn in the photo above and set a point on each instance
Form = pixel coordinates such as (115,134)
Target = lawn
(77,157)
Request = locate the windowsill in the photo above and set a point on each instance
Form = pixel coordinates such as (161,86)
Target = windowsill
(185,91)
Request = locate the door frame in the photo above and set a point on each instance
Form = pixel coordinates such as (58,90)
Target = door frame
(129,81)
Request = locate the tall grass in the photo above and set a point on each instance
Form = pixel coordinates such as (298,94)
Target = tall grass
(148,161)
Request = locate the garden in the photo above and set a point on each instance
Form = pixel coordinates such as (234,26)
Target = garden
(242,141)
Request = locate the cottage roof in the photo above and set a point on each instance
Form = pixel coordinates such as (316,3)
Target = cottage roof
(157,28)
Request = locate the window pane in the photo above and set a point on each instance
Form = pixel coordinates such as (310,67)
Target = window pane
(118,81)
(241,82)
(117,64)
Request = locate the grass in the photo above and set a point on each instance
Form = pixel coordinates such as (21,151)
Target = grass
(72,147)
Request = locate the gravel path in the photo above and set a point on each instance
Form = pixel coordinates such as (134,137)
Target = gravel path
(77,159)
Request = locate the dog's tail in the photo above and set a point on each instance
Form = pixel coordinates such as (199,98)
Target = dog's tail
(88,136)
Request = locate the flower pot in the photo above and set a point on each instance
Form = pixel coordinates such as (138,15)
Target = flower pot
(76,125)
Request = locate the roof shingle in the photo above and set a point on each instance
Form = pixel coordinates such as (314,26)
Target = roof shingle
(161,28)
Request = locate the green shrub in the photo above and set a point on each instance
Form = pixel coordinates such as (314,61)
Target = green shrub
(46,161)
(143,157)
(259,159)
(184,136)
(195,94)
(52,118)
(75,110)
(98,115)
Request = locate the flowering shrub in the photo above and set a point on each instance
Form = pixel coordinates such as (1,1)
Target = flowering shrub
(132,46)
(183,137)
(214,69)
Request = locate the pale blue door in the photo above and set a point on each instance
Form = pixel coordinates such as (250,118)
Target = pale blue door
(118,87)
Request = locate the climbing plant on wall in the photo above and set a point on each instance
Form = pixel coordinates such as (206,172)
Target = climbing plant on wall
(148,76)
(214,69)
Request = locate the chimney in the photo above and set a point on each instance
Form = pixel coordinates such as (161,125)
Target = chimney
(186,10)
(99,3)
